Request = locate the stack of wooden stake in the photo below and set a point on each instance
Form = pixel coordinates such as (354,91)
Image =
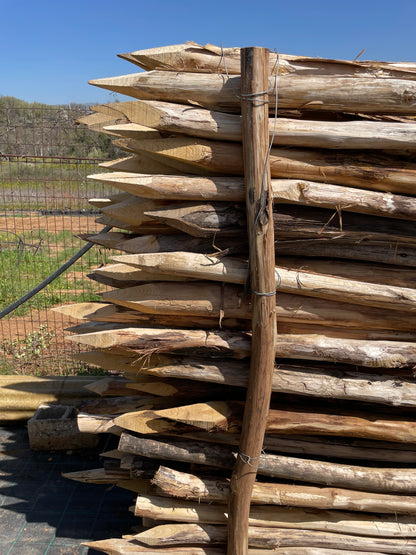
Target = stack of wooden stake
(338,472)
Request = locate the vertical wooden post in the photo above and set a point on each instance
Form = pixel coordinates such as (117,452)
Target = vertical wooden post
(254,109)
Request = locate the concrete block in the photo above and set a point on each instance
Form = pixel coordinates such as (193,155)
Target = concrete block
(54,427)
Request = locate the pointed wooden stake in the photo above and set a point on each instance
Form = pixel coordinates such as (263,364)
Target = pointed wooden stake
(259,204)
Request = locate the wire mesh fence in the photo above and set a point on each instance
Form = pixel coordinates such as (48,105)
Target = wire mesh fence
(45,159)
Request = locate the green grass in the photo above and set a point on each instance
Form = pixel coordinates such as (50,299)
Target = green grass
(42,351)
(24,268)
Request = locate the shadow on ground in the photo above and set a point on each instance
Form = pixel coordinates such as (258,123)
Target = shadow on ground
(42,513)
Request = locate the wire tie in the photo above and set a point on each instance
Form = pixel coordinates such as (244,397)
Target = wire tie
(247,459)
(270,294)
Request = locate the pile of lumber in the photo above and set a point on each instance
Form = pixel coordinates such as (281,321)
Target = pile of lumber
(337,474)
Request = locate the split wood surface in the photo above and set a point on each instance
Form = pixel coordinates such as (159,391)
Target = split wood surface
(226,416)
(220,416)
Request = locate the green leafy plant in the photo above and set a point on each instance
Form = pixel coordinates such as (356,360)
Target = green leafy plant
(31,347)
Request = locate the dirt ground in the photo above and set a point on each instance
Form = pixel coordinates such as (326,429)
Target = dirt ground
(18,327)
(33,221)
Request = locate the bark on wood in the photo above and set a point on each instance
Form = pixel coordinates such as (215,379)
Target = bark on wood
(228,301)
(194,121)
(132,243)
(270,538)
(232,270)
(209,58)
(289,191)
(335,383)
(161,508)
(388,480)
(386,253)
(205,220)
(120,315)
(173,483)
(361,271)
(335,449)
(226,416)
(380,172)
(328,93)
(146,341)
(319,381)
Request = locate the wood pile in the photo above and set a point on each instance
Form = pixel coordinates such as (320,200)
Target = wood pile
(337,474)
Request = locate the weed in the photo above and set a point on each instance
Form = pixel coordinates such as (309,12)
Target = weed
(31,347)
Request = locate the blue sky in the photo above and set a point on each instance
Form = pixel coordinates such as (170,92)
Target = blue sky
(49,50)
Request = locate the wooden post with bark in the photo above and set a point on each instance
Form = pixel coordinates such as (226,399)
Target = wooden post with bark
(259,205)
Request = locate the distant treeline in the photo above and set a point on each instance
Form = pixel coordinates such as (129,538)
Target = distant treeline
(36,129)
